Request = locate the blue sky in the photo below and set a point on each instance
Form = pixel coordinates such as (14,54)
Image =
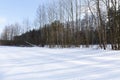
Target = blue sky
(12,11)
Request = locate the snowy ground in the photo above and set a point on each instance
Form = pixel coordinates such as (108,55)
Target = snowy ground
(17,63)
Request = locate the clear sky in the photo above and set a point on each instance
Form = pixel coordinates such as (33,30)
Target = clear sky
(12,11)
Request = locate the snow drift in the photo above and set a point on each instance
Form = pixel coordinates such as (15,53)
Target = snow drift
(17,63)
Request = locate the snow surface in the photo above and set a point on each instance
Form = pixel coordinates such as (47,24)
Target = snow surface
(21,63)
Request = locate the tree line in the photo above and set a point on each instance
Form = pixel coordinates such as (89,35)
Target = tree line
(68,23)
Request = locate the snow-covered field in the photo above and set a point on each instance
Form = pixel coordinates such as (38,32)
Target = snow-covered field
(17,63)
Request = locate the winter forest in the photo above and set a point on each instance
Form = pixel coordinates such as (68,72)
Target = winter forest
(60,40)
(69,23)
